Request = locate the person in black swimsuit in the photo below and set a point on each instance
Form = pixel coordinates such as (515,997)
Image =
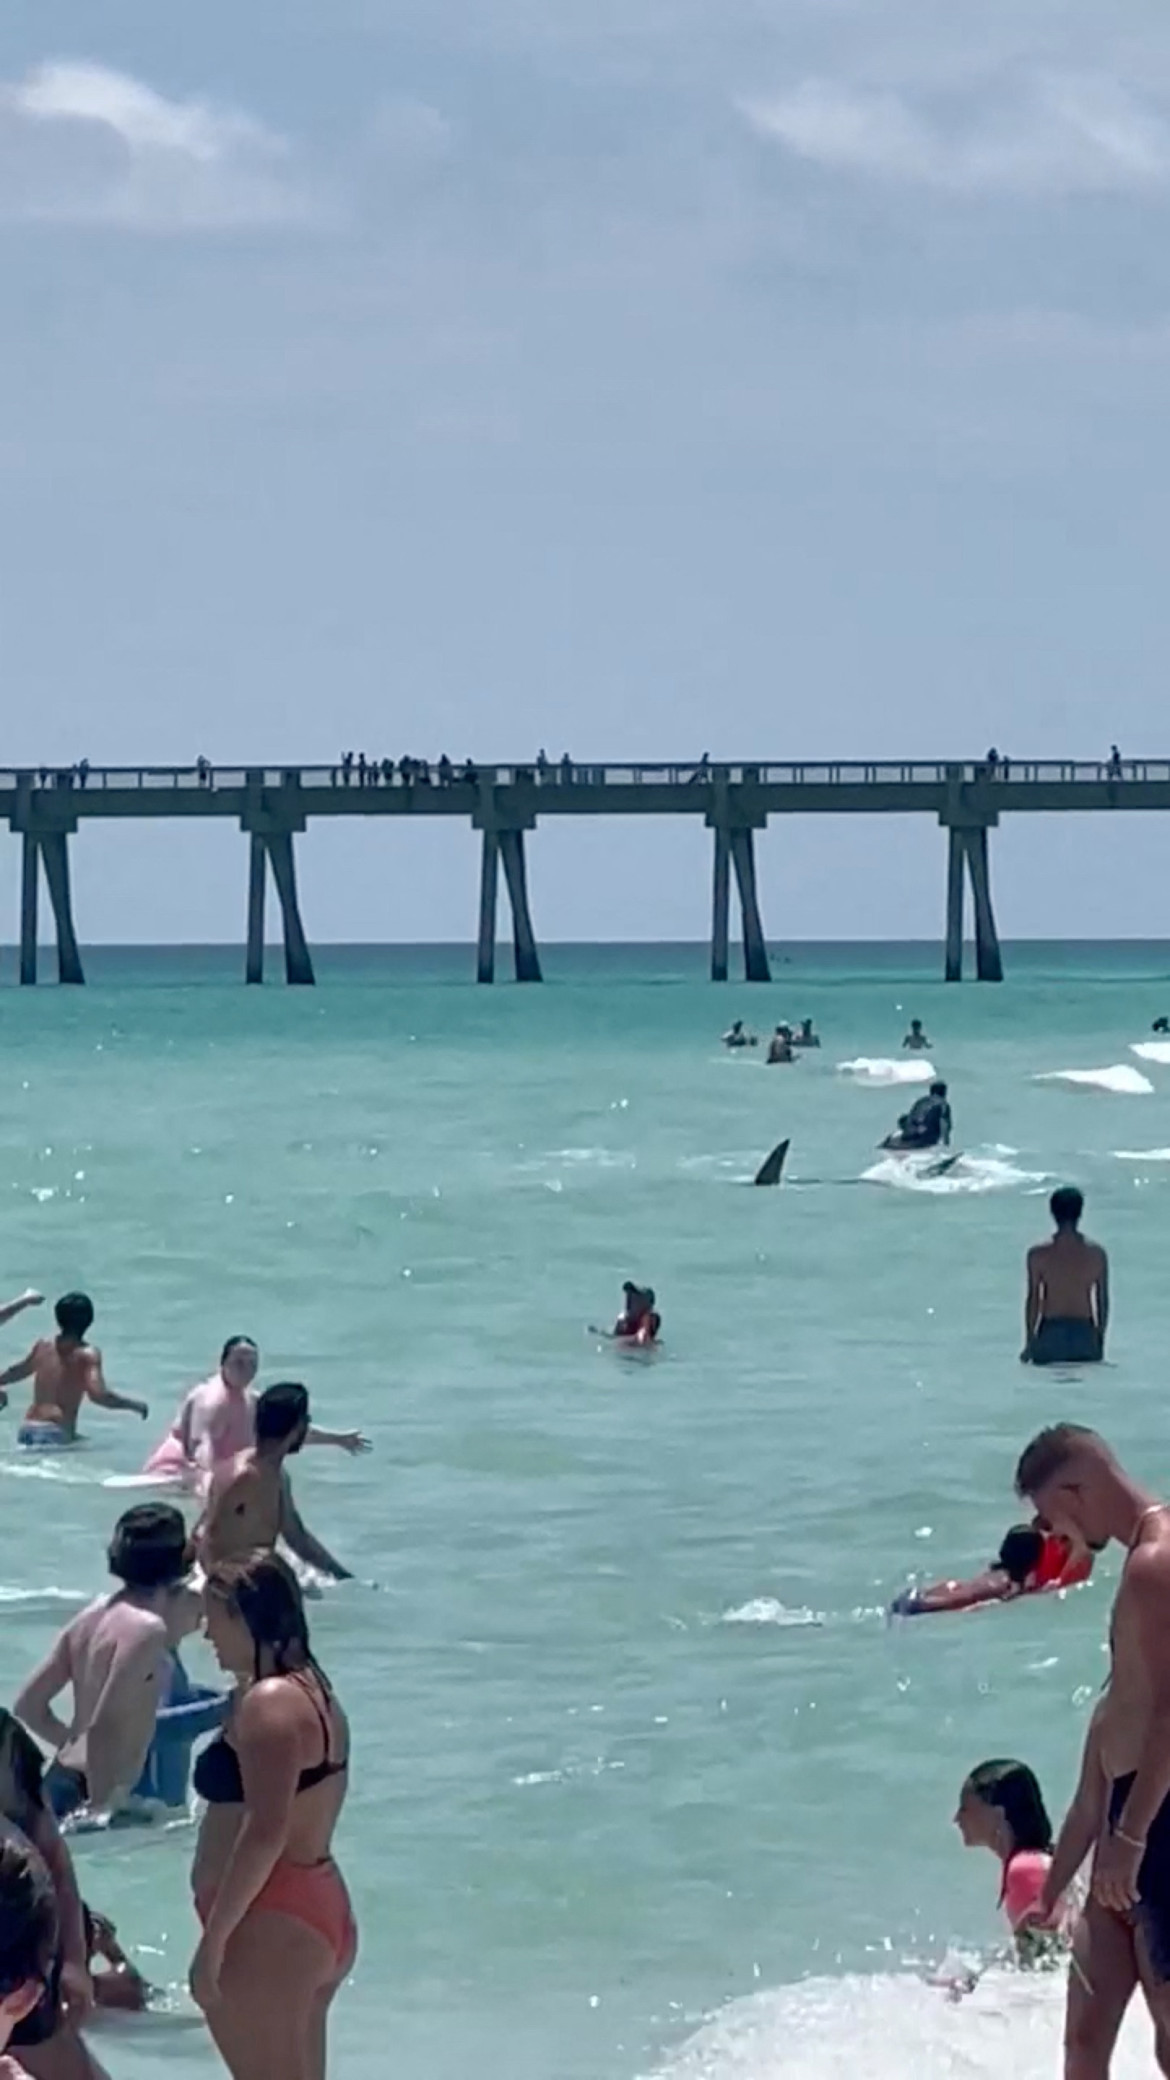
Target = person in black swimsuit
(278,1930)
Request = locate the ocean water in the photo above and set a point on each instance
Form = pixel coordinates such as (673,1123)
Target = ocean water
(643,1783)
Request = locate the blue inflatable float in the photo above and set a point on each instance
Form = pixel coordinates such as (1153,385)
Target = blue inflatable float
(190,1711)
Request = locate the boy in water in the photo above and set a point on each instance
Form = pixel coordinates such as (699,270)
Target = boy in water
(65,1371)
(1066,1312)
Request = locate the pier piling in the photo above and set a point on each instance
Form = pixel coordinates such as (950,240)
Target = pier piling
(257,892)
(55,853)
(511,847)
(298,963)
(30,879)
(755,948)
(988,959)
(721,905)
(489,883)
(956,889)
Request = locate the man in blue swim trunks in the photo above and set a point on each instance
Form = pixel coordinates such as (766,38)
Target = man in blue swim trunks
(65,1371)
(1066,1312)
(1121,1812)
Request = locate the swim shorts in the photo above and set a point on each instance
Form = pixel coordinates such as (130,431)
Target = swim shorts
(1066,1340)
(1152,1913)
(43,1437)
(66,1789)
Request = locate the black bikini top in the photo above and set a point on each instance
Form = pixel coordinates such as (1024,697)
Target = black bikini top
(217,1776)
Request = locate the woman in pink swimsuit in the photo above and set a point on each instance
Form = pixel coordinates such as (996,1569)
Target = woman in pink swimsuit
(278,1930)
(214,1423)
(1001,1808)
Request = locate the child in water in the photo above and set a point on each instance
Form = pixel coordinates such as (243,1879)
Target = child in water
(1001,1808)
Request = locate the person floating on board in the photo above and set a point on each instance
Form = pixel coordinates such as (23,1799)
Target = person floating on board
(808,1035)
(1066,1311)
(1029,1562)
(736,1036)
(916,1039)
(781,1045)
(928,1123)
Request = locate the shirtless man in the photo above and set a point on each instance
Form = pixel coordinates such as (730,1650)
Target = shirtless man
(1066,1312)
(217,1422)
(115,1656)
(250,1501)
(1121,1812)
(65,1371)
(916,1039)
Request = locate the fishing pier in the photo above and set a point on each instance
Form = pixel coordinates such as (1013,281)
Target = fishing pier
(273,805)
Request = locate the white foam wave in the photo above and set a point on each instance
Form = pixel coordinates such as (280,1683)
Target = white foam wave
(971,1174)
(876,1070)
(892,2028)
(1142,1155)
(37,1596)
(768,1610)
(1151,1050)
(1121,1078)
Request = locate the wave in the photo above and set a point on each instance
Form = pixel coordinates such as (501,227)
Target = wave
(1124,1080)
(1142,1155)
(971,1174)
(768,1610)
(1151,1050)
(876,1071)
(893,2026)
(30,1598)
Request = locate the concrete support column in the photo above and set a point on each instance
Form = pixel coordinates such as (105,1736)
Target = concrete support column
(988,959)
(257,890)
(721,905)
(298,964)
(488,903)
(30,874)
(755,950)
(956,870)
(511,845)
(55,853)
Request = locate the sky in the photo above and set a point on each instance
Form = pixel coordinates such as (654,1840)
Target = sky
(773,378)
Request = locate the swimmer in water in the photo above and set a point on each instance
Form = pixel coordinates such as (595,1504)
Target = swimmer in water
(807,1036)
(1161,1025)
(217,1421)
(65,1371)
(780,1046)
(916,1039)
(1029,1560)
(1001,1808)
(639,1322)
(250,1500)
(115,1658)
(928,1124)
(1066,1311)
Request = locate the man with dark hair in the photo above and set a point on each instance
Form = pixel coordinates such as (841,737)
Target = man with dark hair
(1066,1311)
(1121,1812)
(65,1371)
(115,1658)
(250,1501)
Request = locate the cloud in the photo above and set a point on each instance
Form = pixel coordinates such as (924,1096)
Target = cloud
(1049,134)
(82,144)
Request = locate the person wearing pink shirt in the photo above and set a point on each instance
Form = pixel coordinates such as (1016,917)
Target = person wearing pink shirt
(217,1421)
(1001,1808)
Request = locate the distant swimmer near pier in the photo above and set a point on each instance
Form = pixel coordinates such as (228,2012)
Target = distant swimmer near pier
(807,1036)
(928,1124)
(1066,1312)
(916,1039)
(1028,1562)
(65,1371)
(737,1036)
(780,1047)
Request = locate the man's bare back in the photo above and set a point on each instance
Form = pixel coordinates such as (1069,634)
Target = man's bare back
(65,1370)
(1143,1596)
(1070,1271)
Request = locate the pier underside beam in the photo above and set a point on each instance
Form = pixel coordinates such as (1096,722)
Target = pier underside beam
(257,891)
(30,875)
(755,949)
(988,959)
(956,888)
(54,847)
(489,884)
(298,964)
(721,905)
(511,848)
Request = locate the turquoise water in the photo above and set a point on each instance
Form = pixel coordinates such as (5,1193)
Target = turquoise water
(633,1744)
